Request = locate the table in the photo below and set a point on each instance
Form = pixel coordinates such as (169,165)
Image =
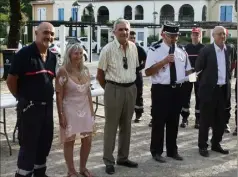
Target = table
(8,101)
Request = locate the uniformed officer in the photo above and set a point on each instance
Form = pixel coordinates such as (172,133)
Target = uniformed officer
(30,81)
(193,51)
(139,78)
(167,63)
(232,53)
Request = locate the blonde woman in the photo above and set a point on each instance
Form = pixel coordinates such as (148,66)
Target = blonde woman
(75,108)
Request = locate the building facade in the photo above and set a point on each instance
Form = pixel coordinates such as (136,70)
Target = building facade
(136,11)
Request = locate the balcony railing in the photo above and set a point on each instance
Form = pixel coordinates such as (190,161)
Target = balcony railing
(164,18)
(128,16)
(186,18)
(103,18)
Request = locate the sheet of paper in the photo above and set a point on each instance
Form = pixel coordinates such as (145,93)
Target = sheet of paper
(191,78)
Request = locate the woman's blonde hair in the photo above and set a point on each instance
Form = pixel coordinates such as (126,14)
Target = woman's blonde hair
(67,61)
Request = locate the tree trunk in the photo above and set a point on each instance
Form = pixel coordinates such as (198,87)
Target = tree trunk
(15,24)
(236,5)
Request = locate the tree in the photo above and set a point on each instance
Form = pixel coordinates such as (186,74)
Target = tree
(15,23)
(236,5)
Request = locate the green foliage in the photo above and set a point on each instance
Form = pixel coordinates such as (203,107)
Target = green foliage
(151,39)
(232,40)
(206,40)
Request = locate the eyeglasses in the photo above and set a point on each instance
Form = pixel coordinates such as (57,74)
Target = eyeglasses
(125,65)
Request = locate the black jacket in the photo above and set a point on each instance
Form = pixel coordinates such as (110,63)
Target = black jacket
(207,64)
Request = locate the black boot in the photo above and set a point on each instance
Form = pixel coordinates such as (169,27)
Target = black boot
(40,172)
(196,126)
(235,132)
(18,175)
(184,123)
(137,119)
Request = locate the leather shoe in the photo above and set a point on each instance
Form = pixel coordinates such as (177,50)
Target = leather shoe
(176,157)
(220,150)
(203,152)
(159,158)
(128,163)
(110,169)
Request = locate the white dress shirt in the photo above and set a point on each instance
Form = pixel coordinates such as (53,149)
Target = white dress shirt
(156,55)
(221,64)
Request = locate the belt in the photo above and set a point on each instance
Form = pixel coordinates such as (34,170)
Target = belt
(35,102)
(120,84)
(220,86)
(170,85)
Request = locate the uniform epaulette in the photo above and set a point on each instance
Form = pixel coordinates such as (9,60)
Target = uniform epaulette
(181,47)
(155,46)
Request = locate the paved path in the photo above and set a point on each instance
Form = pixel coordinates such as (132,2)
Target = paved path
(193,165)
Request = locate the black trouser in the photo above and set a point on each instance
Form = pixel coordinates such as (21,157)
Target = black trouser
(228,109)
(212,115)
(35,135)
(187,92)
(166,107)
(139,98)
(236,102)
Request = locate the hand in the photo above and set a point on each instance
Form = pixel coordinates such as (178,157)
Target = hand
(169,58)
(63,121)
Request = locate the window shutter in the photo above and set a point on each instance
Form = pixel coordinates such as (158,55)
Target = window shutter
(228,13)
(223,13)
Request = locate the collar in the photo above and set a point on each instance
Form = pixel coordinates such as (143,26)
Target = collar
(36,50)
(166,46)
(218,48)
(119,45)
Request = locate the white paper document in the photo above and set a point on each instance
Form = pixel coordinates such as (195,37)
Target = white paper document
(191,78)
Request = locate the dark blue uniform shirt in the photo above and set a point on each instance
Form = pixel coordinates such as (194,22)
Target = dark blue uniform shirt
(35,80)
(193,51)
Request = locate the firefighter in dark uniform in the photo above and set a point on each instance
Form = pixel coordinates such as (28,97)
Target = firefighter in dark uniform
(30,80)
(192,50)
(235,131)
(139,78)
(167,63)
(232,52)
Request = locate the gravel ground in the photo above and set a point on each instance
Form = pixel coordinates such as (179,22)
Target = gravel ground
(193,165)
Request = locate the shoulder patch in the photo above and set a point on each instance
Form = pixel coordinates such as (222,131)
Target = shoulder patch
(155,46)
(181,47)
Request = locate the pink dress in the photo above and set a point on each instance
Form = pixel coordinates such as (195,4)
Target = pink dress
(76,109)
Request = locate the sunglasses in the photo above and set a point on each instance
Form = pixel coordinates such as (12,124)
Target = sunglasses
(125,64)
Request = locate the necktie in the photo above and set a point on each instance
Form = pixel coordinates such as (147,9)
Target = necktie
(173,76)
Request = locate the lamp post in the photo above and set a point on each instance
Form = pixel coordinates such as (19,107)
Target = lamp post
(76,5)
(155,14)
(90,8)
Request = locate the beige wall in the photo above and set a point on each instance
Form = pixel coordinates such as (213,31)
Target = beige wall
(214,12)
(49,11)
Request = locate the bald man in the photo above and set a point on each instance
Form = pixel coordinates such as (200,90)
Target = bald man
(214,90)
(30,81)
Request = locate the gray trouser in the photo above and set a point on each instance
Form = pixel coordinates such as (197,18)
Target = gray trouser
(119,108)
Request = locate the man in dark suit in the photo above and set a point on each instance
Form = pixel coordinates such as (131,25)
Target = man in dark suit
(214,90)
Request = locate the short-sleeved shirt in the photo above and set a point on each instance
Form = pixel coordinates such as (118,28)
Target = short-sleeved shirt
(157,53)
(111,62)
(35,77)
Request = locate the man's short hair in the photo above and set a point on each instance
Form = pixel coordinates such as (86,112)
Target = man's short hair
(118,21)
(132,33)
